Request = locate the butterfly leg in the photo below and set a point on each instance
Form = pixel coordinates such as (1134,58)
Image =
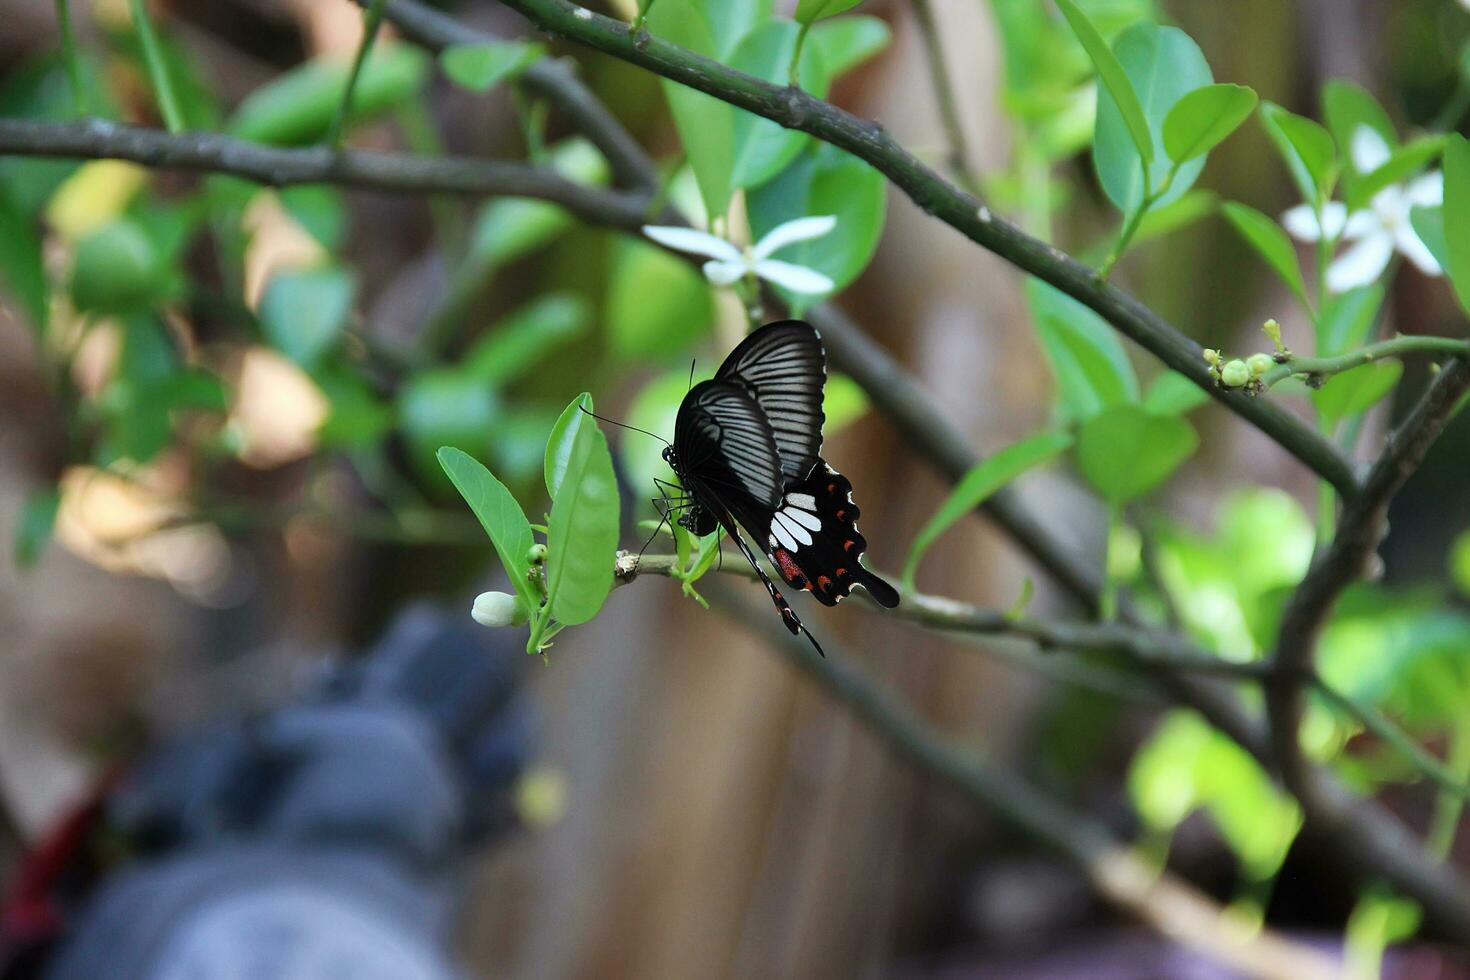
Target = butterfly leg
(788,615)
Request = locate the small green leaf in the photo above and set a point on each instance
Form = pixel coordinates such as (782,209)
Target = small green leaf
(1457,216)
(1347,318)
(525,337)
(1201,120)
(303,313)
(811,11)
(446,407)
(22,272)
(976,486)
(298,107)
(320,210)
(657,305)
(704,123)
(582,535)
(117,269)
(1171,393)
(481,67)
(1113,78)
(1352,392)
(849,41)
(1307,148)
(1347,108)
(33,530)
(500,516)
(762,148)
(1176,215)
(1125,452)
(1272,244)
(1091,369)
(563,438)
(1460,563)
(1428,224)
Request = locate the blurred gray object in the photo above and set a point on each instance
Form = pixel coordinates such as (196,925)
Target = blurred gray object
(320,841)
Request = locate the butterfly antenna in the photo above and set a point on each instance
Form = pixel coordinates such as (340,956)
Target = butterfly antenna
(621,425)
(691,375)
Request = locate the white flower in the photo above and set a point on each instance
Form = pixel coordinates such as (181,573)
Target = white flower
(730,264)
(497,609)
(1377,230)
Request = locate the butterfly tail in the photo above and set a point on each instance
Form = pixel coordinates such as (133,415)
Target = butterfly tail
(883,594)
(788,615)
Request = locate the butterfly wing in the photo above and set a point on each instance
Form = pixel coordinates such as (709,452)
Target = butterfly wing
(814,540)
(784,368)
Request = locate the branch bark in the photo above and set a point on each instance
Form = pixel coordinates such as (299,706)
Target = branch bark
(868,141)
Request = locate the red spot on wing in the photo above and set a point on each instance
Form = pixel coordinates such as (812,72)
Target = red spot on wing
(790,571)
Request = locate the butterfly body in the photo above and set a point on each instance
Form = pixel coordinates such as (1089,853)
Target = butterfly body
(746,450)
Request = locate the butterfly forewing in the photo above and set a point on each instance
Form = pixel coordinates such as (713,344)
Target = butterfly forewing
(784,367)
(725,447)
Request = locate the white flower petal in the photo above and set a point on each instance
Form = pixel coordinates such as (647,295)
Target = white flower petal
(1426,191)
(1301,221)
(1361,224)
(724,273)
(797,278)
(1360,265)
(1370,150)
(800,230)
(1412,247)
(693,242)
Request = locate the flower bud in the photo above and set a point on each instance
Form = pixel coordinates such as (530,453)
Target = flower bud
(1234,374)
(1259,364)
(1272,329)
(536,554)
(1212,357)
(497,609)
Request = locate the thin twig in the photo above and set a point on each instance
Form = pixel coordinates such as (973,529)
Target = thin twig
(870,142)
(1432,768)
(1396,347)
(372,21)
(163,86)
(961,163)
(1118,873)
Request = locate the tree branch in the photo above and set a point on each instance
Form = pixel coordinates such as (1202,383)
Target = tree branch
(1169,905)
(280,167)
(868,141)
(1396,347)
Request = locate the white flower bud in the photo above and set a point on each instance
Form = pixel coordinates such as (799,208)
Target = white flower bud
(1259,364)
(497,609)
(1234,374)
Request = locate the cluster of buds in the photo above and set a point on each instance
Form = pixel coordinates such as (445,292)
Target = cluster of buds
(1248,373)
(496,609)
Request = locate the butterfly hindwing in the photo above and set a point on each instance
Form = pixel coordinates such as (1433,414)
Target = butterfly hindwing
(784,368)
(814,541)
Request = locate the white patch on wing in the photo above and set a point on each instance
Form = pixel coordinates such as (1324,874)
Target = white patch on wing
(803,500)
(805,519)
(781,535)
(793,530)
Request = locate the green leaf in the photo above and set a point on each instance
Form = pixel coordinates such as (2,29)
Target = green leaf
(1460,563)
(33,530)
(563,437)
(298,107)
(1428,224)
(657,305)
(1352,392)
(847,42)
(582,535)
(762,147)
(1272,244)
(500,516)
(117,270)
(1405,162)
(320,210)
(1457,216)
(1347,318)
(1163,64)
(1171,393)
(1125,452)
(704,123)
(358,416)
(1307,148)
(976,486)
(509,349)
(447,407)
(843,403)
(1201,120)
(811,11)
(1176,215)
(824,180)
(22,273)
(1114,79)
(481,67)
(303,313)
(512,228)
(1347,108)
(1092,372)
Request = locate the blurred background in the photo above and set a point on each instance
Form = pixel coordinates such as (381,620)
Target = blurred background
(669,799)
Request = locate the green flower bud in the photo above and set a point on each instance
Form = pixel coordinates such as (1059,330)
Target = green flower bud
(537,554)
(1212,357)
(1259,364)
(1273,330)
(1235,374)
(497,609)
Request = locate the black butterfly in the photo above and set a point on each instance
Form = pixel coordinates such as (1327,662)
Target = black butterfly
(746,447)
